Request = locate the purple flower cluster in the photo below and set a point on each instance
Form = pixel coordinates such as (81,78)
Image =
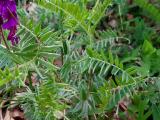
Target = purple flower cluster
(9,19)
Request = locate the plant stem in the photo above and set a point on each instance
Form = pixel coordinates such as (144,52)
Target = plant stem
(120,14)
(5,42)
(30,80)
(62,55)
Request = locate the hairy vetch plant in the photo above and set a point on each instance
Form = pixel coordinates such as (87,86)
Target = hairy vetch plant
(79,60)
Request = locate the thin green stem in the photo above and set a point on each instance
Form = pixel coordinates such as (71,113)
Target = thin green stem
(2,34)
(30,80)
(120,14)
(62,56)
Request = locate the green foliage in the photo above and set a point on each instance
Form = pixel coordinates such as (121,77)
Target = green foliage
(82,72)
(150,58)
(45,103)
(150,9)
(7,75)
(84,18)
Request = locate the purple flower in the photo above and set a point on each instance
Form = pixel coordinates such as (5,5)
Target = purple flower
(9,19)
